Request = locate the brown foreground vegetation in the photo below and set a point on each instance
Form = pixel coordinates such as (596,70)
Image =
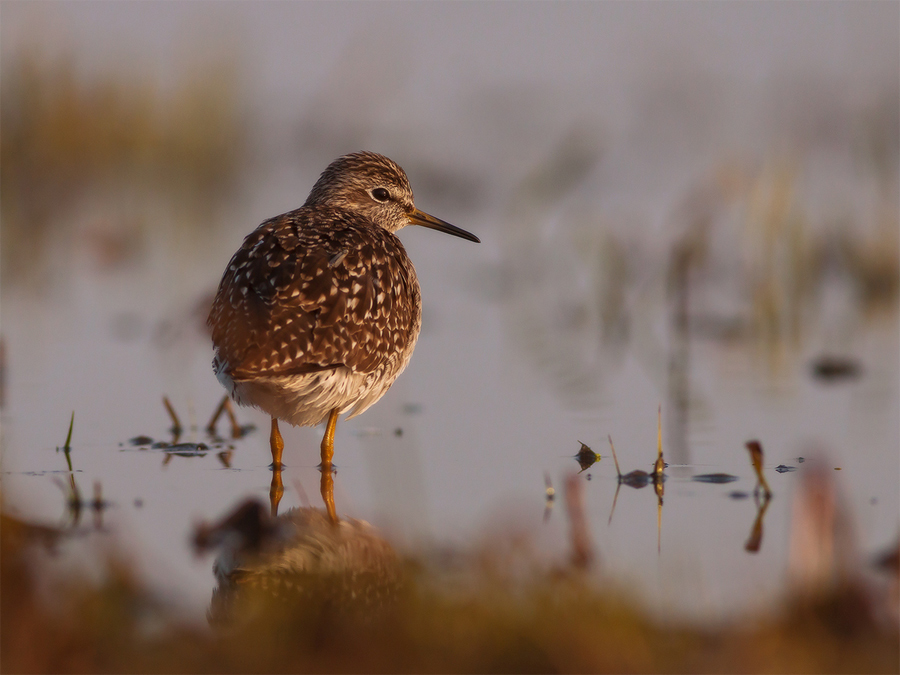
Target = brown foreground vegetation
(558,621)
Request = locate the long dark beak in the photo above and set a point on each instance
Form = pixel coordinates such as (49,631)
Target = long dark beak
(421,218)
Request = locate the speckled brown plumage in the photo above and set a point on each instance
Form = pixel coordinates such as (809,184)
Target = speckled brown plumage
(320,309)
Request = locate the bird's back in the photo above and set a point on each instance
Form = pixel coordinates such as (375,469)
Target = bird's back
(319,297)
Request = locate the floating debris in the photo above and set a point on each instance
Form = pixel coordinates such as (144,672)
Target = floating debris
(715,478)
(586,457)
(187,449)
(636,479)
(141,440)
(549,496)
(830,368)
(738,494)
(784,468)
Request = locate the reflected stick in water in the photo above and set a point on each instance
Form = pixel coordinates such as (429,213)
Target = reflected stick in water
(754,541)
(583,555)
(618,481)
(98,505)
(73,496)
(635,479)
(659,478)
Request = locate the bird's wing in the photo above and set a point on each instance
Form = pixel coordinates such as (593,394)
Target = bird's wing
(298,299)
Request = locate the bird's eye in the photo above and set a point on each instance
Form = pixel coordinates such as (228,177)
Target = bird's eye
(380,194)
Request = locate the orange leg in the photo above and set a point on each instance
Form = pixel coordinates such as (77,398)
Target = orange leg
(327,483)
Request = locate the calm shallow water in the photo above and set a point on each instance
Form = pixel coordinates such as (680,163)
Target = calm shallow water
(480,428)
(557,329)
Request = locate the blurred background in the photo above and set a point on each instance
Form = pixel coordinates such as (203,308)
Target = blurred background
(686,205)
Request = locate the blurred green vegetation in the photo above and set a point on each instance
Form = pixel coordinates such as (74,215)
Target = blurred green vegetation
(65,139)
(555,621)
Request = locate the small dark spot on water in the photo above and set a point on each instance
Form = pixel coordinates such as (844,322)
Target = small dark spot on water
(140,440)
(837,468)
(398,432)
(873,501)
(47,473)
(784,468)
(716,478)
(636,479)
(188,449)
(138,503)
(800,460)
(829,368)
(160,445)
(588,477)
(412,408)
(738,494)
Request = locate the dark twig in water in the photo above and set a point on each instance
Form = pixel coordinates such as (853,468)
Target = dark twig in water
(586,457)
(660,464)
(68,445)
(176,423)
(756,459)
(225,406)
(67,448)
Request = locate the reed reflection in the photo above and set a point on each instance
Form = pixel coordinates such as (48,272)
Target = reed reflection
(638,479)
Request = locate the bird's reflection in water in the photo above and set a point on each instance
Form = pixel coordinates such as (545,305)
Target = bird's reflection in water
(299,564)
